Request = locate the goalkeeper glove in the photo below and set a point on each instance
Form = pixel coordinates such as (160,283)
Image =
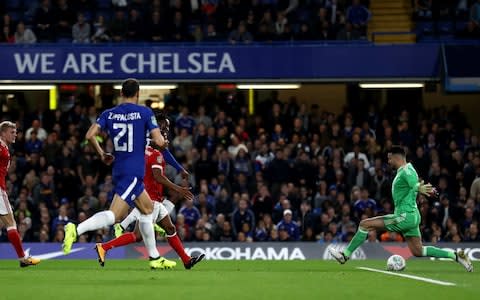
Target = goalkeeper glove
(425,189)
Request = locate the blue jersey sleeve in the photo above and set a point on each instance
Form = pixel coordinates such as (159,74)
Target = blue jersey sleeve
(170,159)
(102,120)
(151,120)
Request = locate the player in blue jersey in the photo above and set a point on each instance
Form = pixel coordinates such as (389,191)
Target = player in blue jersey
(127,124)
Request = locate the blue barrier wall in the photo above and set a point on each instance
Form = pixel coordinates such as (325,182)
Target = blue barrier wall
(218,62)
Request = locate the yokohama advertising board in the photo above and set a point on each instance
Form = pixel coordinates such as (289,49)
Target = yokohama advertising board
(233,251)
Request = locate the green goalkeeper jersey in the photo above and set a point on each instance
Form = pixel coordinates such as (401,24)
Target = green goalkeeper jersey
(404,189)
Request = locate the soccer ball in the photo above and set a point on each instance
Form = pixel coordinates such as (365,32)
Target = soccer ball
(396,263)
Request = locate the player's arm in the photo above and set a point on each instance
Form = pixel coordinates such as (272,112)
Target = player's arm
(423,188)
(157,137)
(170,159)
(163,180)
(91,137)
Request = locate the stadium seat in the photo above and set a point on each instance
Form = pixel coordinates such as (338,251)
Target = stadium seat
(30,4)
(88,16)
(104,4)
(64,40)
(13,4)
(16,16)
(107,15)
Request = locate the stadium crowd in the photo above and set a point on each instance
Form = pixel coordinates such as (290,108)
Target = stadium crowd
(219,21)
(288,172)
(235,21)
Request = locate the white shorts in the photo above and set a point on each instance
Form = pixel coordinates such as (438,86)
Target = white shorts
(159,211)
(5,207)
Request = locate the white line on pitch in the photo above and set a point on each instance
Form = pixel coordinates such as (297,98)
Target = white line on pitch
(409,276)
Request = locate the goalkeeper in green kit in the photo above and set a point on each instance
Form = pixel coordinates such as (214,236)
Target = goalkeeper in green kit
(406,217)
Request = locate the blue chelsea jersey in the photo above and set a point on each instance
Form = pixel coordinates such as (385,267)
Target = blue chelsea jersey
(128,124)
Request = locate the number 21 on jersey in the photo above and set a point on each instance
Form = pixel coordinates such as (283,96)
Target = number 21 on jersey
(119,142)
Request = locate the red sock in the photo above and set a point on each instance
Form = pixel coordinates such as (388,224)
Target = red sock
(14,239)
(123,240)
(176,244)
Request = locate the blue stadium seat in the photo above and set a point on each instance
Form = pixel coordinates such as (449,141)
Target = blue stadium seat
(13,4)
(88,16)
(107,15)
(103,4)
(460,26)
(16,16)
(64,40)
(424,27)
(445,27)
(30,4)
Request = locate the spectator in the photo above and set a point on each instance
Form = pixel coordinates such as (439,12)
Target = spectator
(7,34)
(64,18)
(156,28)
(81,30)
(280,24)
(190,213)
(472,234)
(36,126)
(290,230)
(475,14)
(262,203)
(202,117)
(185,121)
(242,215)
(135,28)
(24,35)
(365,205)
(178,28)
(358,155)
(304,34)
(223,203)
(43,22)
(33,145)
(101,33)
(358,15)
(118,27)
(264,35)
(211,34)
(182,143)
(240,35)
(423,9)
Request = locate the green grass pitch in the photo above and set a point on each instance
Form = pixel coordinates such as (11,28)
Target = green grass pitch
(230,280)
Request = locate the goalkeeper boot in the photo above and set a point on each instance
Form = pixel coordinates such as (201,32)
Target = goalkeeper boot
(463,259)
(70,238)
(338,255)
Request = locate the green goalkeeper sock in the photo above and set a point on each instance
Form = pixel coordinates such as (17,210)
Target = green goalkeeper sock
(437,252)
(357,240)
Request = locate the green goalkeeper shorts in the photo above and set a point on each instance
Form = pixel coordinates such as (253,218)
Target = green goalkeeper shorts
(405,223)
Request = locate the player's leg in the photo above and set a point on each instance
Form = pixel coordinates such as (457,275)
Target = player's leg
(132,217)
(102,219)
(416,247)
(174,241)
(13,236)
(145,225)
(120,241)
(376,223)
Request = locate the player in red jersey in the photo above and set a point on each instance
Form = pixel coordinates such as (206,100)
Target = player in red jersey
(155,180)
(8,134)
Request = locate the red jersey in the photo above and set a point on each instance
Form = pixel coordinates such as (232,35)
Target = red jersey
(4,164)
(153,160)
